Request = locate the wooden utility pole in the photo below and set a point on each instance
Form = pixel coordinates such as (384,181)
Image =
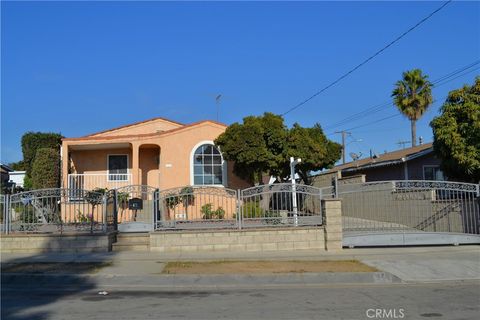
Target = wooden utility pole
(344,136)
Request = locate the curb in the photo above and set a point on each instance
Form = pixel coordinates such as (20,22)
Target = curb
(66,281)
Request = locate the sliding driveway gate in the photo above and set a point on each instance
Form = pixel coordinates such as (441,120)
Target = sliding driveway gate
(409,213)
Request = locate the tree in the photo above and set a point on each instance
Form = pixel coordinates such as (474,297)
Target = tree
(17,166)
(46,169)
(456,133)
(257,146)
(313,147)
(263,145)
(31,142)
(412,96)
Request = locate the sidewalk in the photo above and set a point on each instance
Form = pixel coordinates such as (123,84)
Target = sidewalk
(411,264)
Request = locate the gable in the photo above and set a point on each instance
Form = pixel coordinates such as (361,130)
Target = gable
(155,125)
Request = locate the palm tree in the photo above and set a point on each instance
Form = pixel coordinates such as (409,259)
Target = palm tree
(412,96)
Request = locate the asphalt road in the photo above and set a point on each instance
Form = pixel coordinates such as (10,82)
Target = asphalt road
(395,301)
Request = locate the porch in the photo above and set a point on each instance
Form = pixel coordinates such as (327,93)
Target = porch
(88,166)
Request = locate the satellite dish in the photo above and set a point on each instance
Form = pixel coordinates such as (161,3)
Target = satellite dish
(354,156)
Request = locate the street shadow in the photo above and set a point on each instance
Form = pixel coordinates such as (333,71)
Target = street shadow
(30,283)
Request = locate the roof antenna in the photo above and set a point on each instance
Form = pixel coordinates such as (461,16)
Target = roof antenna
(217,101)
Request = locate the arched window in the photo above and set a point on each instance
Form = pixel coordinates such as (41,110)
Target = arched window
(207,166)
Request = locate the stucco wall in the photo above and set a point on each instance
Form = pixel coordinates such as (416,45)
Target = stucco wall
(171,168)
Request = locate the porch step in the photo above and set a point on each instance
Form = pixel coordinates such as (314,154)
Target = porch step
(132,242)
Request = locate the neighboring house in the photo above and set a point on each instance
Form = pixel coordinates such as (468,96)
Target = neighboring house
(416,163)
(158,152)
(17,177)
(4,174)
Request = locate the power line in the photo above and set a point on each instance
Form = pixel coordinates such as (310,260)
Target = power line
(436,83)
(368,59)
(380,120)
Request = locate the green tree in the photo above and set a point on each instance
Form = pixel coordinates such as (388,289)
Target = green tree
(263,145)
(456,133)
(313,147)
(46,169)
(412,96)
(17,166)
(256,146)
(31,142)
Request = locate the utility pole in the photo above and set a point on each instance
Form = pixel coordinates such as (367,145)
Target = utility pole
(344,136)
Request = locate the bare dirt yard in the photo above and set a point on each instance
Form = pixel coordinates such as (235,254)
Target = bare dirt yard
(257,267)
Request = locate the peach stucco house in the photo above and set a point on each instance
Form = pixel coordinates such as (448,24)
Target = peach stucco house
(158,152)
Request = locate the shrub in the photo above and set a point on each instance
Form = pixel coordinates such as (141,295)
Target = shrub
(208,213)
(252,209)
(46,169)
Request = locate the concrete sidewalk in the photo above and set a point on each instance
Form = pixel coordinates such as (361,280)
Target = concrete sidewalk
(411,264)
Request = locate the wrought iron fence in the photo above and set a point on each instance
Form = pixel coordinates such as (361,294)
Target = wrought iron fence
(429,206)
(193,207)
(281,204)
(55,211)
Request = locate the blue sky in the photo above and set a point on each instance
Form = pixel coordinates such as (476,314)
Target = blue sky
(78,68)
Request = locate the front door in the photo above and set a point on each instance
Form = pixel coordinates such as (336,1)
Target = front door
(136,207)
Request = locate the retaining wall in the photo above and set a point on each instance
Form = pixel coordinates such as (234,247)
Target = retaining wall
(38,243)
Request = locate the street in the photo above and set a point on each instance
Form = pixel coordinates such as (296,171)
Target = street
(376,301)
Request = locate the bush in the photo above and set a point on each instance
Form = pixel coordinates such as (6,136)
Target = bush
(46,169)
(208,213)
(33,141)
(252,209)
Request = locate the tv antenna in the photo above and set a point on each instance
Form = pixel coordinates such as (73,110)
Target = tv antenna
(218,99)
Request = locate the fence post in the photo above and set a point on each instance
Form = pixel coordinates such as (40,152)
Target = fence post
(332,215)
(239,209)
(104,213)
(335,187)
(6,214)
(155,209)
(115,210)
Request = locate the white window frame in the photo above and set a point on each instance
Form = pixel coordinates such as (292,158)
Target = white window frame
(431,166)
(224,166)
(108,166)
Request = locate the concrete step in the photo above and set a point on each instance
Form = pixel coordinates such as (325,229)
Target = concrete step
(130,247)
(132,242)
(133,238)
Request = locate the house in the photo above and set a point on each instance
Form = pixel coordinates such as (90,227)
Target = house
(415,163)
(5,174)
(158,152)
(18,178)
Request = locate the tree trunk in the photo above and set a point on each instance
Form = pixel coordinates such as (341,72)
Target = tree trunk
(413,124)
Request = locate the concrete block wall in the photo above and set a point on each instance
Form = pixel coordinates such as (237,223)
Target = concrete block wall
(332,215)
(239,240)
(38,243)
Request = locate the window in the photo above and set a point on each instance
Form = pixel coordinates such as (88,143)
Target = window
(433,173)
(118,167)
(207,166)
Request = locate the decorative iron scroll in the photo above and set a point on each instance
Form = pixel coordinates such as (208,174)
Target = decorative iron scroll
(197,190)
(280,187)
(446,185)
(77,194)
(136,189)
